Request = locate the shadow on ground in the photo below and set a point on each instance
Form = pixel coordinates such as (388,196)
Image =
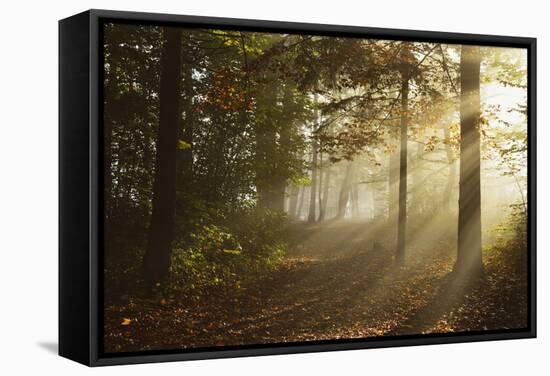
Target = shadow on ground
(51,347)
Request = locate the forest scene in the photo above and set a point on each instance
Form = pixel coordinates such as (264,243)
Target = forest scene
(264,188)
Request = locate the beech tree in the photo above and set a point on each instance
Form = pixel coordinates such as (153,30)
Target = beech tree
(161,229)
(405,69)
(469,213)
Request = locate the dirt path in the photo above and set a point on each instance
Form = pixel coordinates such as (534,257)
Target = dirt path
(337,281)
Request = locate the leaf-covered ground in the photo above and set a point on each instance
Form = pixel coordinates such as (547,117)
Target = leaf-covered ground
(337,281)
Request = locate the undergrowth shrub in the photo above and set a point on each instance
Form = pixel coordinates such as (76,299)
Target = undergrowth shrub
(510,246)
(227,250)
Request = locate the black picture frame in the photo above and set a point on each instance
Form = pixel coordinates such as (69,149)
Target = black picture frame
(80,182)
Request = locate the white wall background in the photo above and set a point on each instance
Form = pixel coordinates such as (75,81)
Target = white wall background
(28,185)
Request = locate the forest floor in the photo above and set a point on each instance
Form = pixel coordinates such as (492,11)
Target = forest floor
(338,281)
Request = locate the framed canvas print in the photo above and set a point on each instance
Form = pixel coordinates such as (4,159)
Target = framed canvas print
(239,187)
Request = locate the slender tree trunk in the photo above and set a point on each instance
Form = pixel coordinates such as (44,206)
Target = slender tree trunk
(320,183)
(344,194)
(313,191)
(324,202)
(393,194)
(469,204)
(354,195)
(293,199)
(300,202)
(156,261)
(302,197)
(402,221)
(279,195)
(354,201)
(312,217)
(374,209)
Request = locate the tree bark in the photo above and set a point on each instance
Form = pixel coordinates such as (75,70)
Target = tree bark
(354,195)
(293,199)
(320,183)
(312,217)
(313,190)
(302,193)
(156,261)
(402,220)
(344,194)
(469,205)
(324,202)
(393,194)
(302,198)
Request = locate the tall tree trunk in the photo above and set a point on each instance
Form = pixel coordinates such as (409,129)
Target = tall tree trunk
(393,194)
(343,196)
(293,199)
(324,202)
(302,193)
(313,191)
(302,197)
(372,201)
(354,201)
(320,182)
(469,204)
(402,222)
(156,261)
(312,217)
(354,194)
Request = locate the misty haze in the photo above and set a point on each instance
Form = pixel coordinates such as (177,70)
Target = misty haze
(274,188)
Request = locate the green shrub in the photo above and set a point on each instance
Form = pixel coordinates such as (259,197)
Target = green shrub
(227,250)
